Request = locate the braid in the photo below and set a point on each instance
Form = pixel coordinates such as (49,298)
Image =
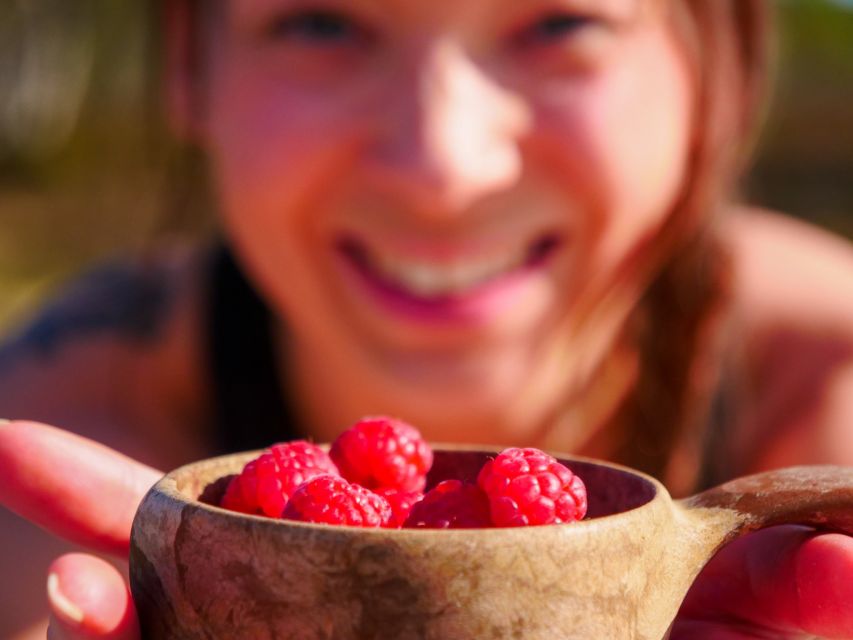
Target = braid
(679,329)
(679,325)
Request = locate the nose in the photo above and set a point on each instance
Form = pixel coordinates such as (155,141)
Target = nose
(448,135)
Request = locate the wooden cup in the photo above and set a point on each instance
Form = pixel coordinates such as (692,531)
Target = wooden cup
(198,571)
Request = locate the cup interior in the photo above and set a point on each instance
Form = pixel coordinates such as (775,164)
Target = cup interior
(610,489)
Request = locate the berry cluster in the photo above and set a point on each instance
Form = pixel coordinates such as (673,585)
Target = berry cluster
(374,476)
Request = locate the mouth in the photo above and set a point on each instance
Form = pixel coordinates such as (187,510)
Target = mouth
(456,277)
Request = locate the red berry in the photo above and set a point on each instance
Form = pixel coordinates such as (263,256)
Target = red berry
(333,500)
(241,493)
(451,504)
(383,453)
(267,482)
(529,487)
(401,504)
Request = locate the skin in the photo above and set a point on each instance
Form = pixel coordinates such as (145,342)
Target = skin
(428,138)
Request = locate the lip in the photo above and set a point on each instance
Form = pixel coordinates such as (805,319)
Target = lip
(476,306)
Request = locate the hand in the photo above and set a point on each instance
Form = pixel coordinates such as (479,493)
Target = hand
(784,582)
(86,493)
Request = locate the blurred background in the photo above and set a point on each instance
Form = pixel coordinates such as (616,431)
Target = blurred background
(86,169)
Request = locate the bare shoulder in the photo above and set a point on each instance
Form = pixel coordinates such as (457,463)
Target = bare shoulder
(790,271)
(116,354)
(794,300)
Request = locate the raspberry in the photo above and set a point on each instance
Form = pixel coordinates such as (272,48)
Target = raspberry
(451,504)
(383,453)
(401,504)
(241,493)
(333,500)
(529,487)
(266,483)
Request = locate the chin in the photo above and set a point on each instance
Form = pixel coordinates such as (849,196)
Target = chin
(462,378)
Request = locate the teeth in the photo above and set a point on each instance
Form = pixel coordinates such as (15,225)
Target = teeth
(422,279)
(432,280)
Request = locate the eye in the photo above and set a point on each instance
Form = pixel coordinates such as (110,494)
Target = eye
(553,28)
(318,27)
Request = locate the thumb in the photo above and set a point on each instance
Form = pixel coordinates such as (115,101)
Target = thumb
(781,582)
(89,599)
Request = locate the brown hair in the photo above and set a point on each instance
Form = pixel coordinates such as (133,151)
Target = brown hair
(662,427)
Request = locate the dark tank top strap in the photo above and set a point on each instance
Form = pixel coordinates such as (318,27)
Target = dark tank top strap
(718,459)
(249,410)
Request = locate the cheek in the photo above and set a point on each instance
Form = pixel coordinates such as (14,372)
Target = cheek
(274,154)
(645,121)
(276,149)
(267,142)
(625,144)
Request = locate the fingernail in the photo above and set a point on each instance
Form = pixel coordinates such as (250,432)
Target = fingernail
(60,602)
(2,422)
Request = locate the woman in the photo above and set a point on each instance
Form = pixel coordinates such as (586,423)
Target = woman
(507,223)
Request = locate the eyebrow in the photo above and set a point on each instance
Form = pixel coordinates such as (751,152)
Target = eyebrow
(618,6)
(626,8)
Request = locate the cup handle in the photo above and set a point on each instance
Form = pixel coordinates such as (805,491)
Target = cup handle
(816,496)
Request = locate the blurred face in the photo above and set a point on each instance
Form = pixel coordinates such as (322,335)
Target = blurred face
(443,193)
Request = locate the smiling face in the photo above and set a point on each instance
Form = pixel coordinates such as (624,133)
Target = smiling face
(438,195)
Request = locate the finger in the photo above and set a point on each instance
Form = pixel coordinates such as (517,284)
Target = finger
(715,630)
(824,576)
(89,599)
(789,580)
(73,487)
